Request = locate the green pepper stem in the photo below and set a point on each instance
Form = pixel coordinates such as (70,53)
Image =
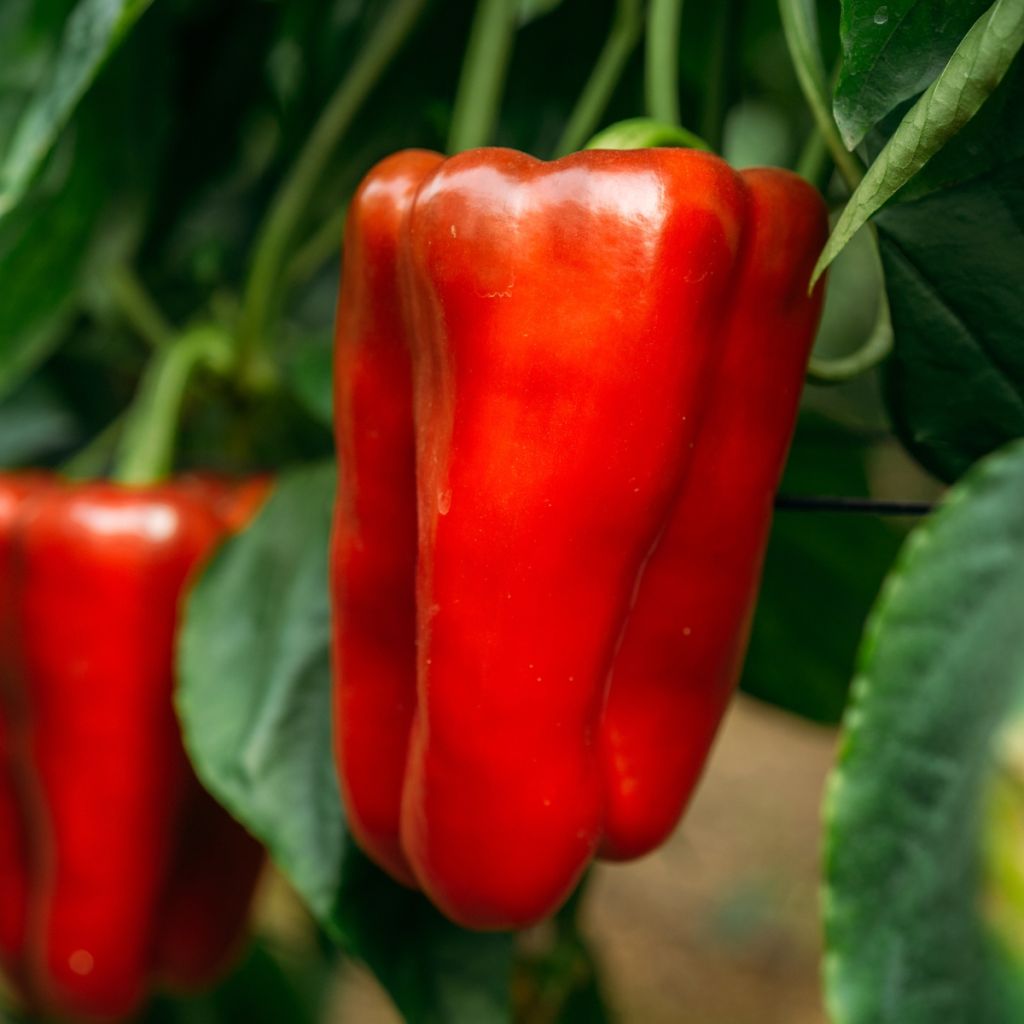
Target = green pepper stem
(661,67)
(277,234)
(627,26)
(482,81)
(644,133)
(146,449)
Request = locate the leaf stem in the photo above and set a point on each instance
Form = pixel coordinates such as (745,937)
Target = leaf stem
(661,67)
(277,234)
(800,27)
(627,26)
(482,80)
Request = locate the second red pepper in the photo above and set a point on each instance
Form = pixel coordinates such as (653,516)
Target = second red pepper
(117,870)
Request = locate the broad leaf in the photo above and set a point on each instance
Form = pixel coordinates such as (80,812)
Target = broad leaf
(255,702)
(891,52)
(972,74)
(34,423)
(918,811)
(954,262)
(83,216)
(92,33)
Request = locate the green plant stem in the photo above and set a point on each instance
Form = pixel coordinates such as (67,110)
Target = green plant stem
(146,450)
(815,162)
(138,308)
(627,26)
(324,243)
(482,80)
(661,68)
(728,15)
(799,25)
(94,459)
(277,234)
(876,347)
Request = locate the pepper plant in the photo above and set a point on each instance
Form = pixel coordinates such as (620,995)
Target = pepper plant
(175,181)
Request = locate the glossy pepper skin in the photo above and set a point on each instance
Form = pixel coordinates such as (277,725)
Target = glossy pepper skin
(119,875)
(587,371)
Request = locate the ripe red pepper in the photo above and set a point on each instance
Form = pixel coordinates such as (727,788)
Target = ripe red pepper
(122,870)
(587,372)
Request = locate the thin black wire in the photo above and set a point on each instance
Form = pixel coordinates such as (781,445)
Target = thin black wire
(871,506)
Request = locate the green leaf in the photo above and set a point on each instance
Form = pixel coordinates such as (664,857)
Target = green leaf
(34,423)
(953,265)
(914,809)
(83,216)
(891,52)
(93,31)
(258,991)
(310,374)
(255,701)
(972,74)
(814,596)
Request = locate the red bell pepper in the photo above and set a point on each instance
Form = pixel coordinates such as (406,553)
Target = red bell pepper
(597,364)
(119,876)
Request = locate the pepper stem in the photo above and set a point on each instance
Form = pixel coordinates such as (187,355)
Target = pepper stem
(146,449)
(645,133)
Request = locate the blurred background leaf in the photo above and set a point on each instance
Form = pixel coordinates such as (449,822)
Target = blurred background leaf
(93,30)
(254,690)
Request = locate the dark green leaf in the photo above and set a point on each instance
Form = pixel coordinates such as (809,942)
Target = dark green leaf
(954,263)
(84,215)
(973,73)
(93,31)
(258,991)
(311,377)
(255,701)
(891,52)
(927,791)
(815,595)
(255,684)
